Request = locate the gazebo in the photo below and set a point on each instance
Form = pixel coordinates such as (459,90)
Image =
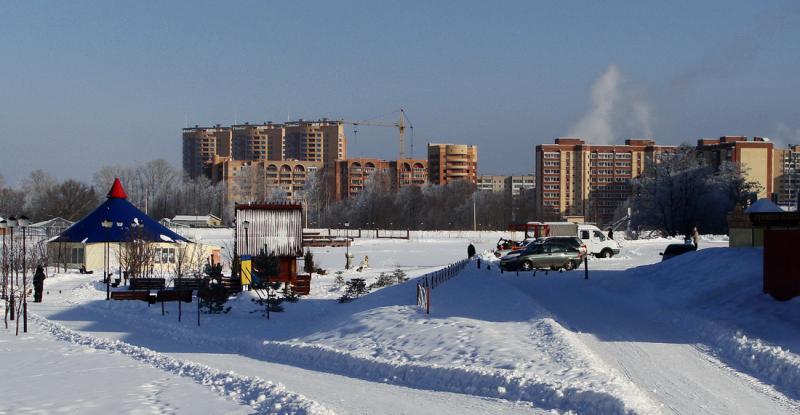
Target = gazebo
(113,225)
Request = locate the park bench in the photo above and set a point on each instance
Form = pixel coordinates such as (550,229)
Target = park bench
(232,284)
(187,284)
(133,295)
(137,284)
(174,295)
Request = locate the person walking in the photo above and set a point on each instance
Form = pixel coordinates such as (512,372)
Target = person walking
(470,251)
(38,284)
(695,237)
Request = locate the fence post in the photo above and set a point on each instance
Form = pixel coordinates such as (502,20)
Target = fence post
(428,302)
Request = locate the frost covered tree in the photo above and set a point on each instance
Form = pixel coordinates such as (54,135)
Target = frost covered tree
(679,191)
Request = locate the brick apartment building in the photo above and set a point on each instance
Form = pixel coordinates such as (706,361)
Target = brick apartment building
(451,162)
(255,180)
(201,144)
(351,176)
(590,181)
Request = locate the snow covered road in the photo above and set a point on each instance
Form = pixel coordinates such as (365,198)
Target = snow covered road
(656,355)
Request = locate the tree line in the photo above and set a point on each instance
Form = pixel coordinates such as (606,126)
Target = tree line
(155,187)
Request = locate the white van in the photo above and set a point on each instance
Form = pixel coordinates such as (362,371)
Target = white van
(597,243)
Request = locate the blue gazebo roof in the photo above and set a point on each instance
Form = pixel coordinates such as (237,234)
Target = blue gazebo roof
(128,223)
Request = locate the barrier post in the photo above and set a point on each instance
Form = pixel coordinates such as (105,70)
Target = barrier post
(428,301)
(586,267)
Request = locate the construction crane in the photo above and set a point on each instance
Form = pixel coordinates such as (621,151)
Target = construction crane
(402,123)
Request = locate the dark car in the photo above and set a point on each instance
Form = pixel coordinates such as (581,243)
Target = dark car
(543,256)
(674,250)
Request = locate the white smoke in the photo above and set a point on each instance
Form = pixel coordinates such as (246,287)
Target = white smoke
(597,124)
(612,104)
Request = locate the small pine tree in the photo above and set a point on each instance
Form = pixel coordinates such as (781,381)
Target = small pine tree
(399,276)
(264,266)
(339,280)
(383,281)
(308,262)
(212,293)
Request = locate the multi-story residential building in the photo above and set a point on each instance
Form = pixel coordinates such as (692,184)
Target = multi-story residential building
(521,184)
(515,185)
(201,144)
(452,162)
(322,141)
(257,142)
(786,168)
(351,176)
(409,172)
(755,157)
(495,184)
(590,181)
(257,180)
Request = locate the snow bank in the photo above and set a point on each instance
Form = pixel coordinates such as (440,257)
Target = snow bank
(264,396)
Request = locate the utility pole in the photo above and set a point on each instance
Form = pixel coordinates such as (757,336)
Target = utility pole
(474,214)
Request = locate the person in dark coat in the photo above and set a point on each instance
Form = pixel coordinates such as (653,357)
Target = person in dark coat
(610,233)
(470,251)
(38,284)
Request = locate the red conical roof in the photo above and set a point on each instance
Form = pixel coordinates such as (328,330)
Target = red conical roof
(117,192)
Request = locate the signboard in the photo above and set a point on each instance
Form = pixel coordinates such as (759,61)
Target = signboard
(247,269)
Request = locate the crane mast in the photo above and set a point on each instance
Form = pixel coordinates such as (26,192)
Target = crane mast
(402,123)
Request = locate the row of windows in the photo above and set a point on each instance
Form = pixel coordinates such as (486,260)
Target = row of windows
(607,156)
(551,171)
(552,187)
(551,179)
(552,195)
(552,163)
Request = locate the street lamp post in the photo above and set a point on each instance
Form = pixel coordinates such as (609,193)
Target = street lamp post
(3,226)
(11,223)
(347,244)
(106,224)
(246,227)
(23,223)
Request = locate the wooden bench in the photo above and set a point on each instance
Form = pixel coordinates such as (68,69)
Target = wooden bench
(174,295)
(233,284)
(133,295)
(187,284)
(147,284)
(302,284)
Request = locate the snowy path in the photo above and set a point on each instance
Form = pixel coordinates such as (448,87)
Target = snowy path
(40,366)
(655,354)
(342,394)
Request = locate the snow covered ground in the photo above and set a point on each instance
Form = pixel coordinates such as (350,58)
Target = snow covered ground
(691,335)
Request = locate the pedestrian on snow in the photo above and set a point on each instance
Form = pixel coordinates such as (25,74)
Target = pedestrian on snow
(695,237)
(38,284)
(470,251)
(610,233)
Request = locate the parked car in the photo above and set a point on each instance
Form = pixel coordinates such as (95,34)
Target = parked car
(547,255)
(674,250)
(571,241)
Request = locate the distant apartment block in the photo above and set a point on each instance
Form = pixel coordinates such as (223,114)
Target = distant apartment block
(321,141)
(351,176)
(257,142)
(578,179)
(201,144)
(786,167)
(258,180)
(495,184)
(452,162)
(755,157)
(515,185)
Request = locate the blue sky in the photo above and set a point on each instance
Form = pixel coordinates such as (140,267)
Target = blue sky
(87,84)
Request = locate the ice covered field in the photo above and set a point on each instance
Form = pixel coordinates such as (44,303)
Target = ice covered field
(692,335)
